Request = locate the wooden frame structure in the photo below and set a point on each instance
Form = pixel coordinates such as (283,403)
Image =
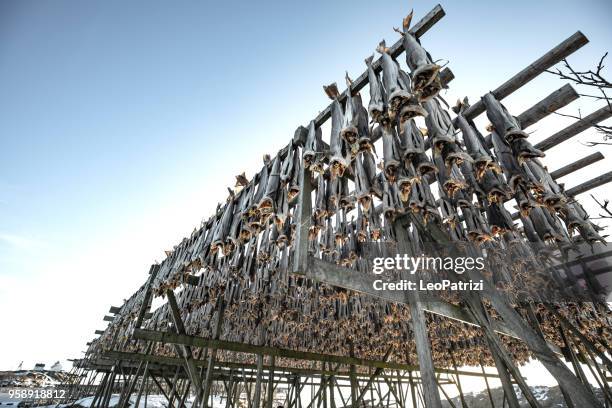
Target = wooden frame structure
(144,351)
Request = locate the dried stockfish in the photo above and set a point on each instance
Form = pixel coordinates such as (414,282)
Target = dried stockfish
(340,152)
(425,74)
(377,107)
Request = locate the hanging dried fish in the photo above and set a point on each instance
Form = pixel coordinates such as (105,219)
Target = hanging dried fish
(349,132)
(362,182)
(377,107)
(450,180)
(223,227)
(499,218)
(346,200)
(320,210)
(544,229)
(477,228)
(407,176)
(360,113)
(450,217)
(411,140)
(422,201)
(282,207)
(494,187)
(547,190)
(361,225)
(425,74)
(289,165)
(313,148)
(482,160)
(439,125)
(512,170)
(266,207)
(340,153)
(508,126)
(396,82)
(391,153)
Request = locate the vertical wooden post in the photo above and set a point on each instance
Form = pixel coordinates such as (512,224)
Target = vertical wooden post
(257,396)
(487,384)
(213,352)
(419,329)
(142,384)
(504,377)
(353,379)
(304,212)
(270,391)
(412,390)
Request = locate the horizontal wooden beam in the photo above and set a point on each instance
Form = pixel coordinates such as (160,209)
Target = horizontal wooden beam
(590,184)
(194,341)
(174,361)
(575,128)
(114,309)
(546,61)
(99,332)
(335,275)
(577,165)
(108,318)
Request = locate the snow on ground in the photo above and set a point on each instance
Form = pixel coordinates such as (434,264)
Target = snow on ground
(153,401)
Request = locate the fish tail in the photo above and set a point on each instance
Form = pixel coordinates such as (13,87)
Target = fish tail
(406,21)
(331,90)
(382,47)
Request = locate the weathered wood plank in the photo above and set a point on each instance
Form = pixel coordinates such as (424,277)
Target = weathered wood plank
(590,184)
(575,128)
(114,309)
(552,57)
(339,276)
(577,165)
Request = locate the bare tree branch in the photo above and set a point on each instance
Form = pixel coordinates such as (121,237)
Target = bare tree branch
(604,207)
(589,79)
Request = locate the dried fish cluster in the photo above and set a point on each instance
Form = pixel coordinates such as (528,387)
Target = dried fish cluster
(242,257)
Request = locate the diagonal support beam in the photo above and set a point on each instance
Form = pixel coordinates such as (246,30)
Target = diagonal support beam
(190,366)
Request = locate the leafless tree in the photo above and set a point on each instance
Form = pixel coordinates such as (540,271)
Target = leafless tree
(595,86)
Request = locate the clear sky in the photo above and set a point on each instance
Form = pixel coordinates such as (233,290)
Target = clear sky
(121,124)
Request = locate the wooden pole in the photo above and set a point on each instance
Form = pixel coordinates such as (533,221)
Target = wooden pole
(257,396)
(555,55)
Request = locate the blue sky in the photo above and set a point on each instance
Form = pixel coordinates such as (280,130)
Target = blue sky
(121,123)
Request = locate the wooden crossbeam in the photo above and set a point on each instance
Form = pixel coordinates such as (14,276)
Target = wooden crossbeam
(575,128)
(108,318)
(590,184)
(194,341)
(552,57)
(114,309)
(578,164)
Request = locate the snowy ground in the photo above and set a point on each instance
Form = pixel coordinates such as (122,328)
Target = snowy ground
(153,401)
